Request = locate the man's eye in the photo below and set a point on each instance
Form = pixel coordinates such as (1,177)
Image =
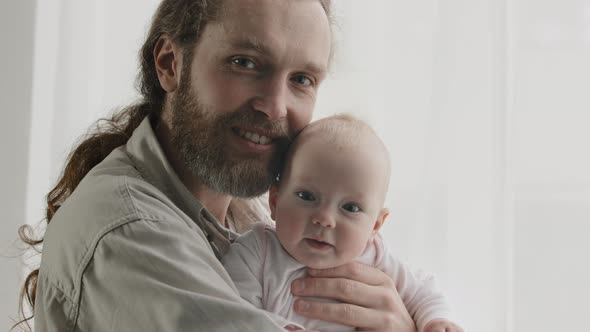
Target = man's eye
(244,62)
(302,80)
(305,196)
(351,207)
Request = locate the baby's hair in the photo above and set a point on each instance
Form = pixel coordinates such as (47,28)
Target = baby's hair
(340,130)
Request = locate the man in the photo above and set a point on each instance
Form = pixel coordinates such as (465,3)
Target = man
(141,215)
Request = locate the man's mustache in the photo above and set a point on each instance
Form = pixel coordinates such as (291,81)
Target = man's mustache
(257,120)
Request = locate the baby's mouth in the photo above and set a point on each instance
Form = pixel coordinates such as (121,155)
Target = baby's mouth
(318,244)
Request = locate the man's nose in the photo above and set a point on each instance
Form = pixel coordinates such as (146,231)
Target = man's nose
(324,218)
(272,99)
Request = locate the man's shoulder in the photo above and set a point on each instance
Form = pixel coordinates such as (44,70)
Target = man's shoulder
(113,192)
(111,195)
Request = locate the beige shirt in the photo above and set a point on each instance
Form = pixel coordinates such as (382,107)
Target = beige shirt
(132,250)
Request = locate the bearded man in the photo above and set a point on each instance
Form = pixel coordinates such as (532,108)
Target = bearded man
(148,204)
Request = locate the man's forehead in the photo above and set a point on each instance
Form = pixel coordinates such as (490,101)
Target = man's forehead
(256,8)
(282,13)
(268,26)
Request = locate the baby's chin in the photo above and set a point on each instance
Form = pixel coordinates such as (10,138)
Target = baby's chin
(321,264)
(326,261)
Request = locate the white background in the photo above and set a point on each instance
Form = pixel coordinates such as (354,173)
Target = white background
(484,105)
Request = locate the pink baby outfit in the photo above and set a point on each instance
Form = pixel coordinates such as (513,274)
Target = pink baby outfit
(263,271)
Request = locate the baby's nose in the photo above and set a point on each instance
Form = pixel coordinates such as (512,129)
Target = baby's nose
(324,219)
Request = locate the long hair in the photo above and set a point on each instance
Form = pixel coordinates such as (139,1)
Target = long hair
(183,21)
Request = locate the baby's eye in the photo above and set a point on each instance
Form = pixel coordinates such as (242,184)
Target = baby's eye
(302,80)
(243,62)
(305,196)
(351,207)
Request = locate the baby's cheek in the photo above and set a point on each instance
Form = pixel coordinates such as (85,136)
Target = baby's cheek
(292,217)
(345,257)
(288,227)
(352,247)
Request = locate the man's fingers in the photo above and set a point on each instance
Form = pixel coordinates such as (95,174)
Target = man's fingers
(370,300)
(342,313)
(356,271)
(345,290)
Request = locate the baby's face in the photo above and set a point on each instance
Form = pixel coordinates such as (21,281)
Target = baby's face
(329,205)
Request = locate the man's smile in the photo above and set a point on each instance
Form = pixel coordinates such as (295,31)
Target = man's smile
(254,137)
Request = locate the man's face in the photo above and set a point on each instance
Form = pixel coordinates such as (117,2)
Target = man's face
(250,87)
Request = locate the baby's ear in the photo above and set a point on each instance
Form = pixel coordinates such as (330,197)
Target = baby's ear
(273,194)
(383,214)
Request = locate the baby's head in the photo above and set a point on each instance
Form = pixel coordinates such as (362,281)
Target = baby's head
(328,203)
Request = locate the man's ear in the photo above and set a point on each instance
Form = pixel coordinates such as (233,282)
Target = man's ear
(168,62)
(383,214)
(273,195)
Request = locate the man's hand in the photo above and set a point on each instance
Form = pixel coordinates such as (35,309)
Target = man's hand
(442,325)
(369,299)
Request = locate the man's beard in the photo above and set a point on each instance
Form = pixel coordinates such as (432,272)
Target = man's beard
(200,136)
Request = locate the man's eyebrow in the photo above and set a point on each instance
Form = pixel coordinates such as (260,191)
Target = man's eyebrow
(250,43)
(315,68)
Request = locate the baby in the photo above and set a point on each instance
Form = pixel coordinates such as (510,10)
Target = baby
(328,208)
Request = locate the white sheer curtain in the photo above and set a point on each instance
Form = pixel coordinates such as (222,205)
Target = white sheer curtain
(84,67)
(482,104)
(432,78)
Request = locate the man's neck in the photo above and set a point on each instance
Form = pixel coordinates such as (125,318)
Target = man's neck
(216,203)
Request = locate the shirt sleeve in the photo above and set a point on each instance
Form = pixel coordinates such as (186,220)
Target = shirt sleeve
(418,290)
(158,276)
